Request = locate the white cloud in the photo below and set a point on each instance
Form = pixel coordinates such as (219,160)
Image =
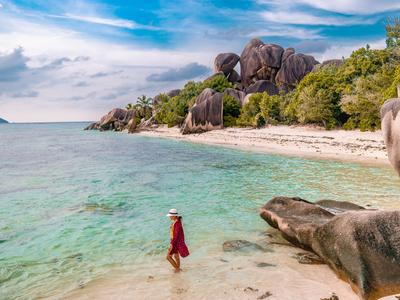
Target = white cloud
(357,7)
(343,50)
(61,93)
(287,31)
(301,18)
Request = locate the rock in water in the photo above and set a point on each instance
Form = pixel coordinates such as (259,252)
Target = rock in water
(225,62)
(390,123)
(206,114)
(361,246)
(240,245)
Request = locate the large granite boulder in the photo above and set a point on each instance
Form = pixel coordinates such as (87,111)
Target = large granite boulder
(361,246)
(390,123)
(260,61)
(261,86)
(288,52)
(206,114)
(225,62)
(117,119)
(250,61)
(294,68)
(271,62)
(238,95)
(233,77)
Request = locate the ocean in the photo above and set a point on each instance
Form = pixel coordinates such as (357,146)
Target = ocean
(77,205)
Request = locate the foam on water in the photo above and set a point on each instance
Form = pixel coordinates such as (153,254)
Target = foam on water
(75,205)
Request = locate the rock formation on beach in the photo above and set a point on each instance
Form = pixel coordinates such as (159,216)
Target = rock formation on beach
(263,67)
(390,123)
(360,245)
(117,119)
(206,114)
(2,121)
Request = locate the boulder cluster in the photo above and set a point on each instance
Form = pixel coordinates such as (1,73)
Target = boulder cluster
(263,68)
(117,119)
(360,245)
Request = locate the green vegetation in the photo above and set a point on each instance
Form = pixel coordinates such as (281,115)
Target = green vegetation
(143,108)
(172,111)
(347,96)
(231,110)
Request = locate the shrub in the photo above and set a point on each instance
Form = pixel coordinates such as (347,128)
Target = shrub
(231,110)
(250,110)
(271,108)
(316,99)
(218,83)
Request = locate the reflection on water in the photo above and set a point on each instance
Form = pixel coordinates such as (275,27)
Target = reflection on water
(76,204)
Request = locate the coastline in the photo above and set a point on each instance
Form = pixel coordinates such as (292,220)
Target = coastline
(366,148)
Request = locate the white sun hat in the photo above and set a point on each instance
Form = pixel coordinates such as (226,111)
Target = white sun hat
(173,213)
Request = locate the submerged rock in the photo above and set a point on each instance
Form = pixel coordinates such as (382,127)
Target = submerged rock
(240,245)
(362,246)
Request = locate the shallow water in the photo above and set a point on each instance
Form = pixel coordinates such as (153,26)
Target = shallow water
(75,205)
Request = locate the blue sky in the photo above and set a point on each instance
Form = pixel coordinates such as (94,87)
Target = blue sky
(75,60)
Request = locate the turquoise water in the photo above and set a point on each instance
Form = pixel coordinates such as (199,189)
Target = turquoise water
(76,204)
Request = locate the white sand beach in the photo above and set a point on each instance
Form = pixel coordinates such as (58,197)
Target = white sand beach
(301,141)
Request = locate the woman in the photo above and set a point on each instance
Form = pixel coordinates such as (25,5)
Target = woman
(177,246)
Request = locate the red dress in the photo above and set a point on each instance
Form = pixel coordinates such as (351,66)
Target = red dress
(178,240)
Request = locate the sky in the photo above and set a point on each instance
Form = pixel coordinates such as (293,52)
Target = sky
(75,60)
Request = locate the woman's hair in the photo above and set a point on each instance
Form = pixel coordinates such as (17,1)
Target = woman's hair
(180,218)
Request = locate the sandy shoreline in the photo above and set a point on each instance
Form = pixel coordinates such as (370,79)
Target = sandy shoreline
(298,141)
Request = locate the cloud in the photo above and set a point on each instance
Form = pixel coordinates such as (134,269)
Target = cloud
(187,72)
(12,65)
(353,7)
(81,84)
(27,94)
(301,18)
(312,46)
(104,74)
(287,31)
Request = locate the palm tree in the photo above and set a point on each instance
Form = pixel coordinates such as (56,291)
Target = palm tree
(130,106)
(145,106)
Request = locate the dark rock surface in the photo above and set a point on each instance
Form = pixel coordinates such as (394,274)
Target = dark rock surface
(390,124)
(225,62)
(361,246)
(294,68)
(2,121)
(271,62)
(240,245)
(263,86)
(117,119)
(206,114)
(238,95)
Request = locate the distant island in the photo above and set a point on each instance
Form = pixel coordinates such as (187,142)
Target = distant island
(2,121)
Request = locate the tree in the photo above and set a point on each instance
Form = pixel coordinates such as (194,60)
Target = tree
(144,106)
(393,32)
(231,110)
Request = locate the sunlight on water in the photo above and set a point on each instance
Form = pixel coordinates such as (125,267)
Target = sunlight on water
(75,204)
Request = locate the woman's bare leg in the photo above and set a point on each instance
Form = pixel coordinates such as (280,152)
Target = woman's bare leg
(177,260)
(172,261)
